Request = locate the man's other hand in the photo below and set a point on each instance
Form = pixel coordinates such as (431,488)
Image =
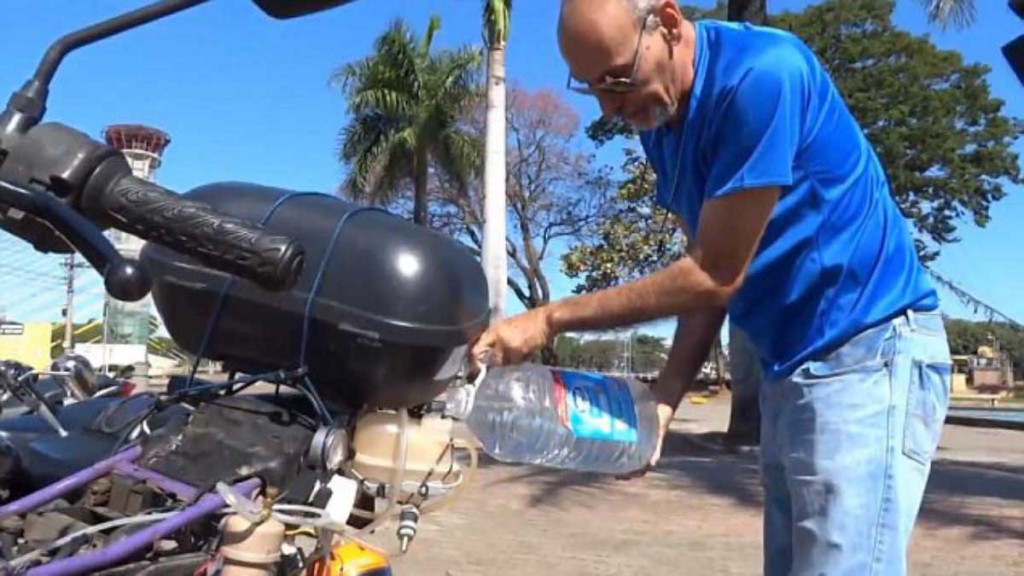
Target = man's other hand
(665,415)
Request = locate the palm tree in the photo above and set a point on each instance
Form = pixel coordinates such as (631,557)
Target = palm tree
(497,19)
(406,104)
(960,13)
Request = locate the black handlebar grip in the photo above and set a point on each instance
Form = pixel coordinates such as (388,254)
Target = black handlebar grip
(192,228)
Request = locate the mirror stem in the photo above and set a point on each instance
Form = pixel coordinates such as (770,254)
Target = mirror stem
(27,106)
(99,31)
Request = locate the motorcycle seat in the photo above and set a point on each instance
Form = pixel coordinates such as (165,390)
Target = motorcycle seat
(33,455)
(28,462)
(73,416)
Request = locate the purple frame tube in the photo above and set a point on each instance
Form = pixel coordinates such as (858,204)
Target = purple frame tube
(64,485)
(126,547)
(133,470)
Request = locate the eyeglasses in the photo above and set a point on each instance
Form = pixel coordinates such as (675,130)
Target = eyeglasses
(611,84)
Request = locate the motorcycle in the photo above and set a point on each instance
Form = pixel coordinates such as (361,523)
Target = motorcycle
(355,321)
(70,379)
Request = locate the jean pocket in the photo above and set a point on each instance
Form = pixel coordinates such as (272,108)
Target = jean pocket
(927,404)
(862,356)
(824,371)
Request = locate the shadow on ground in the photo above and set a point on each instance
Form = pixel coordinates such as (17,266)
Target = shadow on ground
(988,498)
(985,497)
(694,458)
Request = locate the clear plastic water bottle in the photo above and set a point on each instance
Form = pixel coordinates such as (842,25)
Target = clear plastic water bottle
(567,419)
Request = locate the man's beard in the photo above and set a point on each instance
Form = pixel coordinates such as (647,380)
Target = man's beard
(659,116)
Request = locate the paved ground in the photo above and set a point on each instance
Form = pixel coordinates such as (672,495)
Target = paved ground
(700,514)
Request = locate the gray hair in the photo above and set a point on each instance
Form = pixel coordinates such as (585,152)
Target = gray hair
(642,11)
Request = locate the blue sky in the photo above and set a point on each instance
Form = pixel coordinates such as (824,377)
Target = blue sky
(244,97)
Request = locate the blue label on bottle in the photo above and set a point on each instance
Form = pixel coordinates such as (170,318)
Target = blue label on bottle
(597,407)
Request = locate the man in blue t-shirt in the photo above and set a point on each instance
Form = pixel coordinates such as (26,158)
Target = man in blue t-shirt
(794,233)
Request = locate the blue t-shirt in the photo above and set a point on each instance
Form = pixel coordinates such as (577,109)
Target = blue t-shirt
(837,256)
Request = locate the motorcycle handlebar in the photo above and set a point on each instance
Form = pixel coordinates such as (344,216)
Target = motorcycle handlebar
(229,244)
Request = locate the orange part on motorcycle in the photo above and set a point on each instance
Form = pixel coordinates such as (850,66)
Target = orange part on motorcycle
(351,559)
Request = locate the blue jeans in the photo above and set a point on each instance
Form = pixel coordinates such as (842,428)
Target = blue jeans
(846,447)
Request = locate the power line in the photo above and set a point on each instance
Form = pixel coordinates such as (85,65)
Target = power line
(973,301)
(70,267)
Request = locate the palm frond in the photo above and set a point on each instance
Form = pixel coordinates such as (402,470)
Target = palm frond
(460,73)
(459,156)
(366,180)
(497,22)
(382,100)
(428,37)
(960,13)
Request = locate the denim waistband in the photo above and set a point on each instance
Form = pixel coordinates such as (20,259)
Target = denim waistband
(927,321)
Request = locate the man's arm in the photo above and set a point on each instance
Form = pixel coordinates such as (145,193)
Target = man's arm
(695,334)
(728,235)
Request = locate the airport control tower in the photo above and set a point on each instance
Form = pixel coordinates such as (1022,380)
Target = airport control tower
(127,324)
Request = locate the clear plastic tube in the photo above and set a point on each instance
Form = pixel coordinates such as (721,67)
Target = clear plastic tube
(25,558)
(431,506)
(239,504)
(318,517)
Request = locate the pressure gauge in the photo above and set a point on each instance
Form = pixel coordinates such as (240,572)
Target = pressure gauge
(329,448)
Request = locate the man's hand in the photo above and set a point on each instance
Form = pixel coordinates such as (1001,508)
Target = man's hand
(665,415)
(514,339)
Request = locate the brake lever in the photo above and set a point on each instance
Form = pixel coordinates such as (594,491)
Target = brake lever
(123,278)
(22,389)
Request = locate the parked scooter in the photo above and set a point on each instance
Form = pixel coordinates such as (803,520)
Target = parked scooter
(351,319)
(70,379)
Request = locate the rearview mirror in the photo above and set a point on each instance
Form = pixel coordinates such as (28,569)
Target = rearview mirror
(284,9)
(1013,51)
(81,377)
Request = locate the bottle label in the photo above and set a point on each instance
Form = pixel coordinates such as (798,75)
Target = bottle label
(595,406)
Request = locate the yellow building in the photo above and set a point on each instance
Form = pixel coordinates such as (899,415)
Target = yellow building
(26,343)
(961,369)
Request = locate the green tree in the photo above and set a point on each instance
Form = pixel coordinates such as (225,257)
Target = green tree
(649,353)
(754,11)
(600,354)
(405,103)
(569,351)
(636,239)
(965,337)
(941,136)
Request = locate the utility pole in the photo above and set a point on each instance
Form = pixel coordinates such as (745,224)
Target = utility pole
(69,266)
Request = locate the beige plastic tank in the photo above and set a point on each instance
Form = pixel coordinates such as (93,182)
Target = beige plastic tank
(376,447)
(251,550)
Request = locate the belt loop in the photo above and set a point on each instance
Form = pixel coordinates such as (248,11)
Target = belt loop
(910,319)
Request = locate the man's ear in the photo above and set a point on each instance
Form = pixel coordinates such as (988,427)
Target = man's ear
(671,21)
